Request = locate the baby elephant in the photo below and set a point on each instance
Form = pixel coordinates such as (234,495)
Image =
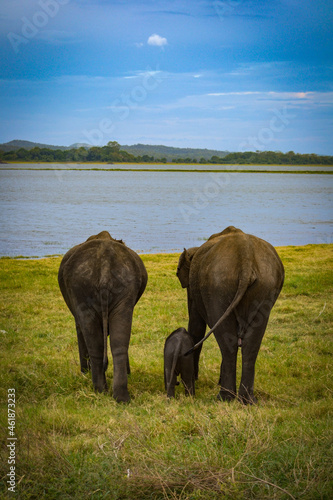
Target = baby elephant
(175,363)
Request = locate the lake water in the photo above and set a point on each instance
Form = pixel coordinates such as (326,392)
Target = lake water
(48,211)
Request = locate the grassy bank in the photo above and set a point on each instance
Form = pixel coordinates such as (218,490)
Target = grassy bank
(182,170)
(73,443)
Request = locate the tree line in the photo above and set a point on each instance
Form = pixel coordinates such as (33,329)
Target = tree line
(111,153)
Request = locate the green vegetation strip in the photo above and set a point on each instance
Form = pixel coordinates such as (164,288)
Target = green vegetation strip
(73,443)
(112,153)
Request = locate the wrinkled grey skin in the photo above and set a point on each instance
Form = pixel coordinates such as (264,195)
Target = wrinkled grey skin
(101,280)
(232,281)
(175,363)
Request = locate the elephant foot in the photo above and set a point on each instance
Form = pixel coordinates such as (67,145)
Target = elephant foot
(189,394)
(225,395)
(122,398)
(101,388)
(247,399)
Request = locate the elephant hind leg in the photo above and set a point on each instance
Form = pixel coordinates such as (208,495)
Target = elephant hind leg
(120,331)
(83,351)
(228,377)
(171,381)
(226,336)
(187,375)
(250,348)
(91,337)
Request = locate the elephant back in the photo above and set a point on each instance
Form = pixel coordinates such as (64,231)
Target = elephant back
(102,264)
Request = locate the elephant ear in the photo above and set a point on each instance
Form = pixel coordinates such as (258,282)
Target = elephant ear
(183,269)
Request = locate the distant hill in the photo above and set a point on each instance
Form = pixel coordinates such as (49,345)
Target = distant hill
(18,144)
(171,153)
(167,152)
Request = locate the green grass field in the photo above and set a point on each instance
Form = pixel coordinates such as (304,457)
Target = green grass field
(73,443)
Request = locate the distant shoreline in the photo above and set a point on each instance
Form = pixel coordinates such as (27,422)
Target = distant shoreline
(175,170)
(157,254)
(115,167)
(160,163)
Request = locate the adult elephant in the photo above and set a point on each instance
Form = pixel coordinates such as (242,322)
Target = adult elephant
(101,280)
(232,281)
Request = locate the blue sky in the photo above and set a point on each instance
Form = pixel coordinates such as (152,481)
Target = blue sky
(228,75)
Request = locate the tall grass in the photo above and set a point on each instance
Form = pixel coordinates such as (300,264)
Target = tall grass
(73,443)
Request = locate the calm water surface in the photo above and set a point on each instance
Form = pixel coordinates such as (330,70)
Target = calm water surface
(47,212)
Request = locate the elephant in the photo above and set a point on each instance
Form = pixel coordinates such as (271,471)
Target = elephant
(232,281)
(176,364)
(101,280)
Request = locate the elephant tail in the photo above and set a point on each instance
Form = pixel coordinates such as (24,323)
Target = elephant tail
(243,285)
(104,295)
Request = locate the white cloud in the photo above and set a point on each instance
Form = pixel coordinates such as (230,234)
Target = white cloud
(157,40)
